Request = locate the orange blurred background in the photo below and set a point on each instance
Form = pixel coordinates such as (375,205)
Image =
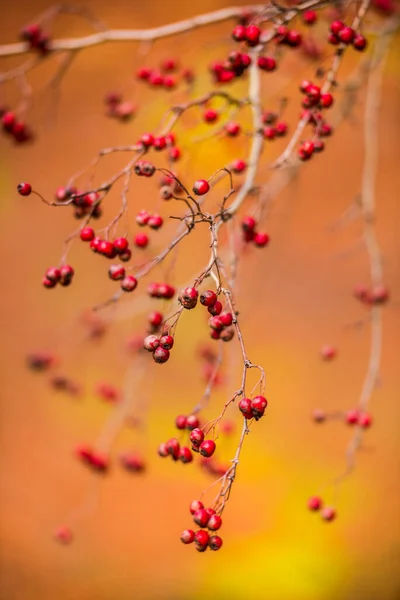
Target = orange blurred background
(293,297)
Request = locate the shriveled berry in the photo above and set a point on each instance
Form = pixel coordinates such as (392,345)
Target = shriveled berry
(188,297)
(227,334)
(245,408)
(258,406)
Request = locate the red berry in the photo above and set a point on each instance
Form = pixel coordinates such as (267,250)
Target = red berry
(245,408)
(215,309)
(161,355)
(328,352)
(314,503)
(238,165)
(239,33)
(248,223)
(232,129)
(336,27)
(8,120)
(226,319)
(227,334)
(214,522)
(328,513)
(266,63)
(172,446)
(66,274)
(125,256)
(116,272)
(201,517)
(269,133)
(166,342)
(155,221)
(305,151)
(293,39)
(258,406)
(106,248)
(333,39)
(180,422)
(24,189)
(195,505)
(162,450)
(346,35)
(359,42)
(147,140)
(174,154)
(207,448)
(185,455)
(87,234)
(196,437)
(208,298)
(129,283)
(326,100)
(210,115)
(141,240)
(201,538)
(216,323)
(53,274)
(63,535)
(187,536)
(365,420)
(151,343)
(121,244)
(352,417)
(281,128)
(214,542)
(155,319)
(142,218)
(192,422)
(252,34)
(201,187)
(309,17)
(261,239)
(188,297)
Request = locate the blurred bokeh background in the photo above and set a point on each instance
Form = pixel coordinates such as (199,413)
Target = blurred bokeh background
(293,297)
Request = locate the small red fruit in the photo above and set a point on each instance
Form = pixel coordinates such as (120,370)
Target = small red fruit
(187,536)
(201,187)
(129,283)
(314,503)
(24,189)
(207,448)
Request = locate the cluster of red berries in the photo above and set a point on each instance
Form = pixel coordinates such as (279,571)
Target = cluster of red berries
(220,322)
(161,290)
(340,33)
(315,504)
(173,448)
(94,460)
(167,75)
(234,66)
(154,221)
(379,294)
(128,282)
(259,239)
(205,447)
(352,417)
(204,518)
(169,186)
(159,346)
(118,108)
(132,462)
(273,128)
(18,130)
(53,275)
(253,408)
(37,40)
(119,247)
(313,97)
(83,203)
